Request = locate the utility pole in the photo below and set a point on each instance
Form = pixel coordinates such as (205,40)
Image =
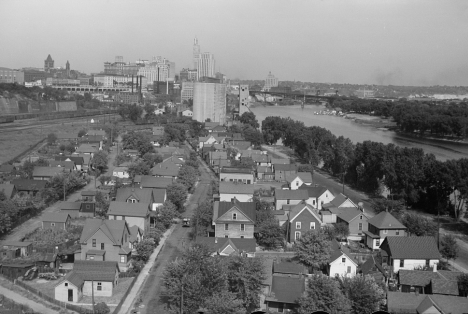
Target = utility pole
(92,294)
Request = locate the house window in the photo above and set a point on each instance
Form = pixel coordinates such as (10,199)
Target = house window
(226,226)
(226,236)
(377,242)
(66,284)
(242,227)
(312,225)
(122,258)
(397,232)
(234,216)
(242,237)
(427,263)
(385,231)
(298,225)
(297,183)
(91,257)
(313,202)
(402,263)
(297,235)
(343,259)
(99,286)
(52,224)
(287,201)
(280,307)
(360,226)
(102,246)
(349,270)
(360,217)
(94,242)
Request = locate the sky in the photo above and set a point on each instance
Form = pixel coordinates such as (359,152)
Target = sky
(411,42)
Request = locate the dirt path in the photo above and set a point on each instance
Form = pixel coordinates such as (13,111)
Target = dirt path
(22,300)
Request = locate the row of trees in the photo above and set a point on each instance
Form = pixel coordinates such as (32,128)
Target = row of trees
(408,173)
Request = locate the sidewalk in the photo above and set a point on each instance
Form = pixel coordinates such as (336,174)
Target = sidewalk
(22,300)
(131,297)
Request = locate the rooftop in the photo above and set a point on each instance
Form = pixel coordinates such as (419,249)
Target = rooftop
(128,209)
(314,191)
(141,195)
(248,208)
(385,220)
(114,229)
(410,303)
(286,289)
(412,247)
(55,217)
(236,188)
(291,194)
(47,171)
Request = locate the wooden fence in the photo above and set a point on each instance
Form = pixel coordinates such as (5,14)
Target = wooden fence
(119,306)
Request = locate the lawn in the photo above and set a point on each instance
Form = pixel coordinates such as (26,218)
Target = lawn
(45,286)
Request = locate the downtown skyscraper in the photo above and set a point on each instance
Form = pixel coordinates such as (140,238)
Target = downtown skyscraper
(203,62)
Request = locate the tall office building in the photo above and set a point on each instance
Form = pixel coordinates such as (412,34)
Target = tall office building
(187,91)
(160,70)
(206,65)
(48,63)
(67,67)
(209,102)
(271,81)
(196,52)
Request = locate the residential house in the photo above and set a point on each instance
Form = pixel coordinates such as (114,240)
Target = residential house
(25,248)
(229,246)
(46,173)
(88,196)
(212,156)
(318,195)
(283,171)
(131,152)
(134,195)
(299,179)
(78,161)
(290,269)
(70,208)
(235,174)
(56,221)
(280,161)
(121,172)
(136,235)
(210,125)
(239,191)
(87,149)
(429,281)
(409,252)
(356,220)
(338,205)
(8,190)
(67,137)
(265,173)
(234,219)
(341,264)
(87,210)
(159,197)
(136,214)
(302,218)
(187,113)
(220,163)
(27,186)
(285,291)
(261,159)
(398,302)
(6,169)
(217,128)
(381,226)
(267,281)
(373,267)
(166,169)
(88,278)
(209,140)
(289,197)
(155,182)
(86,160)
(97,140)
(68,165)
(105,240)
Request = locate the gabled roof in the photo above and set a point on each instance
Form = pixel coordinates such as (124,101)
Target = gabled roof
(314,191)
(247,208)
(64,164)
(87,148)
(280,161)
(155,182)
(217,155)
(301,207)
(55,217)
(350,214)
(29,185)
(411,247)
(306,177)
(141,195)
(291,194)
(78,160)
(340,199)
(74,278)
(7,189)
(372,265)
(236,188)
(441,280)
(128,209)
(210,125)
(114,229)
(260,158)
(288,268)
(134,231)
(47,171)
(287,289)
(96,270)
(219,244)
(410,302)
(87,207)
(385,220)
(159,195)
(285,167)
(167,169)
(339,253)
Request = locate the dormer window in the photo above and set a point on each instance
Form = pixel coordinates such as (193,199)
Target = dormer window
(360,217)
(132,200)
(234,216)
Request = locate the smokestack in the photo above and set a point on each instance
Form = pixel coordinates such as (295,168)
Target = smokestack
(157,89)
(132,84)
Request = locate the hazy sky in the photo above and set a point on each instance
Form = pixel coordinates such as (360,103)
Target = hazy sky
(377,42)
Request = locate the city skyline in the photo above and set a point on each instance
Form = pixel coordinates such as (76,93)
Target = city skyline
(360,42)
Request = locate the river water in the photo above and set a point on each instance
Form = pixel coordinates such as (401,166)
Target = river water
(356,132)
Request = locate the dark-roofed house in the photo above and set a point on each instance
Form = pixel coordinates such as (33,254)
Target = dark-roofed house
(356,220)
(429,282)
(155,183)
(235,174)
(159,197)
(284,170)
(87,209)
(28,186)
(234,219)
(87,149)
(88,278)
(6,169)
(289,268)
(88,195)
(70,208)
(409,252)
(380,226)
(136,214)
(411,303)
(69,165)
(373,267)
(8,189)
(261,159)
(166,169)
(318,195)
(280,161)
(340,200)
(302,218)
(213,155)
(265,173)
(25,248)
(230,246)
(56,221)
(242,192)
(105,240)
(289,197)
(77,160)
(297,180)
(132,195)
(285,291)
(46,173)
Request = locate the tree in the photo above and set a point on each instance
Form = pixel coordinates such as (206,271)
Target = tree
(177,194)
(395,207)
(418,225)
(121,158)
(449,247)
(341,230)
(101,308)
(253,135)
(82,133)
(270,235)
(102,205)
(323,293)
(313,249)
(463,284)
(99,162)
(364,294)
(187,176)
(51,138)
(103,179)
(138,168)
(144,249)
(166,214)
(138,140)
(202,217)
(152,159)
(224,302)
(249,118)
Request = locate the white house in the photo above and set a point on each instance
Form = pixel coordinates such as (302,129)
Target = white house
(341,264)
(298,179)
(318,195)
(187,113)
(209,140)
(159,111)
(121,172)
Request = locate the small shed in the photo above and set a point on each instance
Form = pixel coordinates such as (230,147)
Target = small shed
(56,221)
(48,261)
(24,247)
(13,271)
(71,208)
(87,209)
(88,196)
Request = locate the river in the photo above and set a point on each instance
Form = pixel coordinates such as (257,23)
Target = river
(443,150)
